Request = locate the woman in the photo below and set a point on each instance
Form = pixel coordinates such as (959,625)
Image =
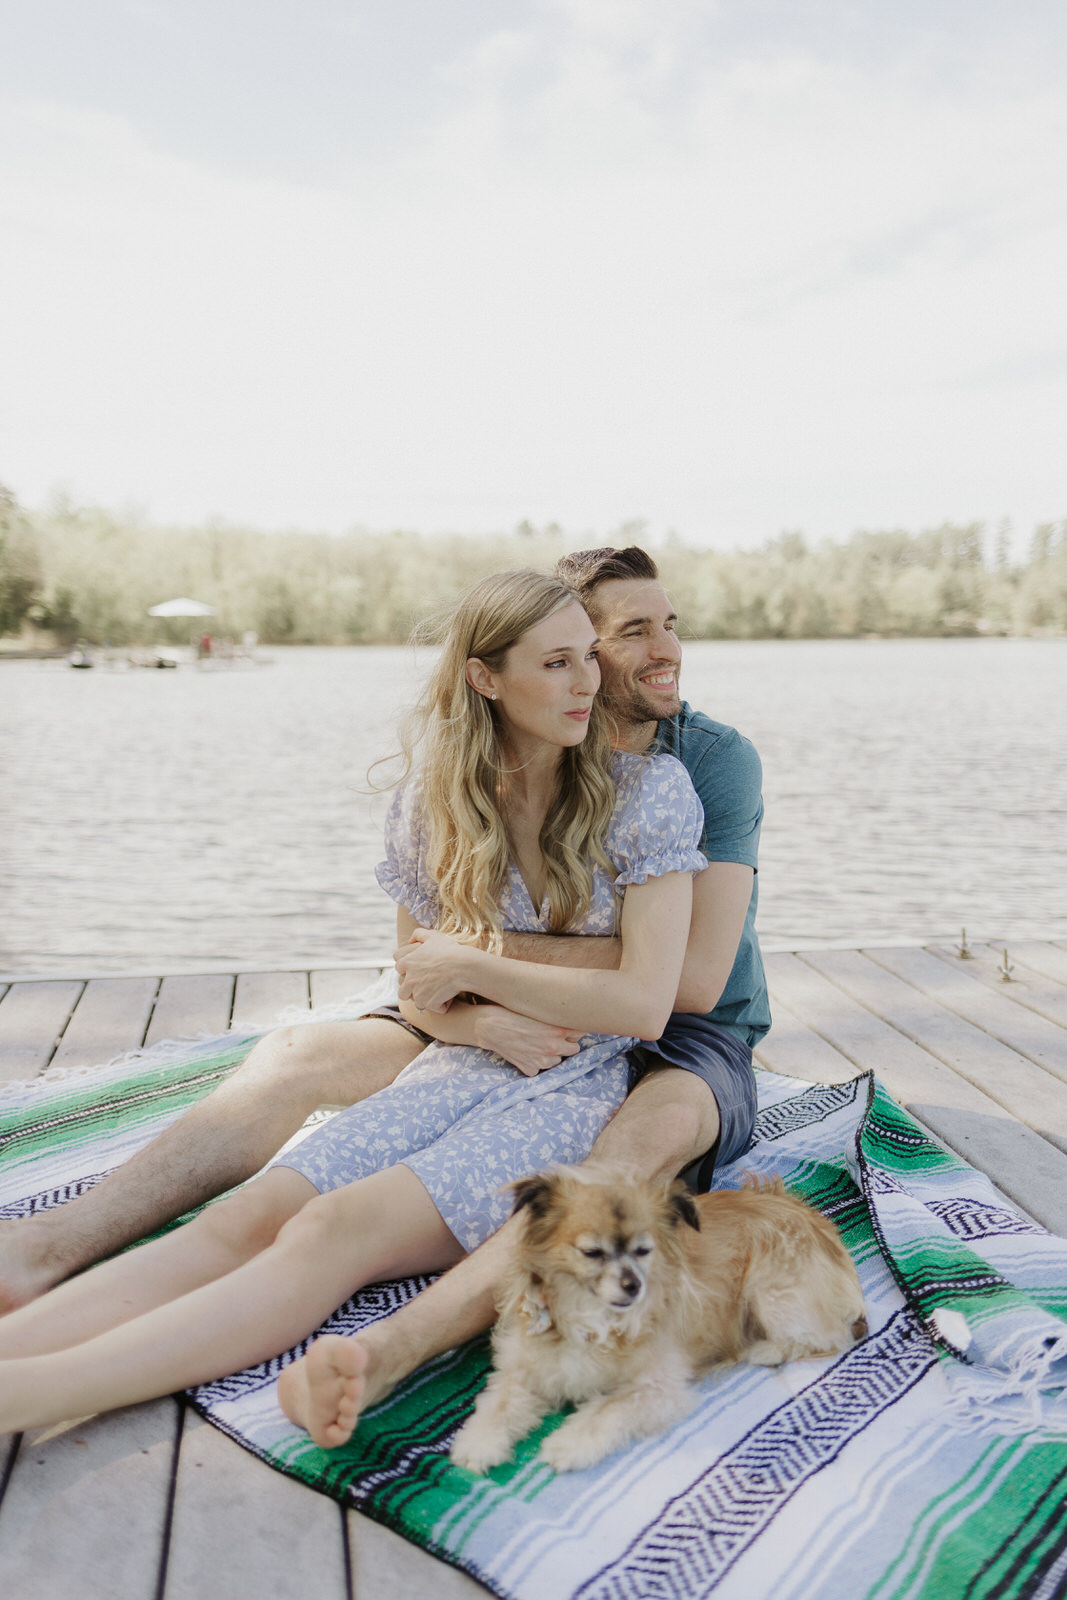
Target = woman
(519,817)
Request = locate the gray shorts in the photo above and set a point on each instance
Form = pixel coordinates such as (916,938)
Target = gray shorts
(394,1014)
(694,1044)
(724,1062)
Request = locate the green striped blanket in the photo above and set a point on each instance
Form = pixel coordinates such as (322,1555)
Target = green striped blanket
(930,1460)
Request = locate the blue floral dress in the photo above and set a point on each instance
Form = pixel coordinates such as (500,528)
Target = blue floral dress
(463,1120)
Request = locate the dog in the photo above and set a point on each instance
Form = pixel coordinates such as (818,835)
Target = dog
(619,1295)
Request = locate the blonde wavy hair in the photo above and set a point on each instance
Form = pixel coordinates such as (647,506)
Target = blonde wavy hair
(464,776)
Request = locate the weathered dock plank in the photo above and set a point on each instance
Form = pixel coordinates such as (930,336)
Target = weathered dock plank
(110,1017)
(871,1044)
(385,1564)
(996,1012)
(186,1006)
(1012,1080)
(1026,985)
(794,1050)
(1041,956)
(33,1017)
(1029,1170)
(259,996)
(240,1528)
(84,1513)
(330,986)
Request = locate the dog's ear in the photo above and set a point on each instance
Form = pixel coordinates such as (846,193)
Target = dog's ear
(682,1207)
(536,1193)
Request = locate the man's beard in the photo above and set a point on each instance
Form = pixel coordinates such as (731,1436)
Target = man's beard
(630,706)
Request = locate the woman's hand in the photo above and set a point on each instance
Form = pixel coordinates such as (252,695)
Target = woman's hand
(530,1046)
(432,968)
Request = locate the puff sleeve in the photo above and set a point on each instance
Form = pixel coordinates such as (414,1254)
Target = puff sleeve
(658,820)
(404,874)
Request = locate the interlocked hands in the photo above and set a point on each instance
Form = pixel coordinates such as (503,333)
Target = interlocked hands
(433,968)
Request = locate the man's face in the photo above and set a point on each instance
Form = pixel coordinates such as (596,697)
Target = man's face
(639,651)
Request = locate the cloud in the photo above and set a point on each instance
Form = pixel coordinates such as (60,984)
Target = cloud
(615,273)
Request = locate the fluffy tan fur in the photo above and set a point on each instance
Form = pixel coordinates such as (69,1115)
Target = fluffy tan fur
(619,1294)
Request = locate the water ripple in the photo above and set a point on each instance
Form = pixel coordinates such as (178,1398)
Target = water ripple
(182,821)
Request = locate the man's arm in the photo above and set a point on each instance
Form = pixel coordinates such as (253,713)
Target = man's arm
(564,949)
(720,904)
(636,999)
(721,897)
(529,1045)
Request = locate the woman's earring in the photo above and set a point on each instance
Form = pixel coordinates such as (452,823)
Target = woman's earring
(492,697)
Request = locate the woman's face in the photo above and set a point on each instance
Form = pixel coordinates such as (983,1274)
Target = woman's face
(545,688)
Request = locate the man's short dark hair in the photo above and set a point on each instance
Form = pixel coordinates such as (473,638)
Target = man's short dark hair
(584,570)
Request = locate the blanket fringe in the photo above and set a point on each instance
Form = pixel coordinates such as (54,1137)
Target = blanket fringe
(1021,1385)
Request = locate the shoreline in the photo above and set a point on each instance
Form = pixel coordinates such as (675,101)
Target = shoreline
(379,960)
(979,636)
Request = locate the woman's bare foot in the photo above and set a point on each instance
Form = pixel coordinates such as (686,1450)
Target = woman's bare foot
(324,1390)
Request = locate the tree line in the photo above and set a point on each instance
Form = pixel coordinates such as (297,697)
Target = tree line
(82,572)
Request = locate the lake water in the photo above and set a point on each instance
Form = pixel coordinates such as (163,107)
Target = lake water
(193,820)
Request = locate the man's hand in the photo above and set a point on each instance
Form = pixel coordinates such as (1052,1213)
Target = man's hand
(530,1046)
(432,969)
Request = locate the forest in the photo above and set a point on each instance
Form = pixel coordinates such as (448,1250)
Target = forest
(72,572)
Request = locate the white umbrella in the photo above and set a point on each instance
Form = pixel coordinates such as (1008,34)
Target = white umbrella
(182,608)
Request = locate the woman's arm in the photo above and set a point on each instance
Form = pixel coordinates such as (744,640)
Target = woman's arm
(636,998)
(523,1042)
(720,905)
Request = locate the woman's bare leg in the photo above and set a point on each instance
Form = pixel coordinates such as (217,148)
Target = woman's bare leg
(220,1142)
(218,1241)
(384,1226)
(669,1120)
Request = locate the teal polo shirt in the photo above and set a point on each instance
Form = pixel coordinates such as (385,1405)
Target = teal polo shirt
(727,776)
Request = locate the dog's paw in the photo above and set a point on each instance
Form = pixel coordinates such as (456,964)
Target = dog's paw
(477,1448)
(570,1449)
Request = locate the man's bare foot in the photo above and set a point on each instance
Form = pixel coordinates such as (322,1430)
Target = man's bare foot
(24,1268)
(324,1390)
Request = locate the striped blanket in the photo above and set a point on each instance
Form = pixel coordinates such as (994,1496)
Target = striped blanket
(930,1460)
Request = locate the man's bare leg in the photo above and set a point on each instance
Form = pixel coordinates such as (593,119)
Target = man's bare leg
(220,1142)
(668,1122)
(325,1392)
(217,1241)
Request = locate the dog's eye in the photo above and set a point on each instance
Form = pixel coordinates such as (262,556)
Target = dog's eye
(593,1254)
(641,1250)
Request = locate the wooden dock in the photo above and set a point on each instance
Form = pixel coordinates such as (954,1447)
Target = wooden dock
(154,1504)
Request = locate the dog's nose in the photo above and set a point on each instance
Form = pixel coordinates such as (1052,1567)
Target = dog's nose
(629,1282)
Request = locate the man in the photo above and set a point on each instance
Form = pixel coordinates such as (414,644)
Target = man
(694,1099)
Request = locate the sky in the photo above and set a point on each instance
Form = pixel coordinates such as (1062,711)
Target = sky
(726,267)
